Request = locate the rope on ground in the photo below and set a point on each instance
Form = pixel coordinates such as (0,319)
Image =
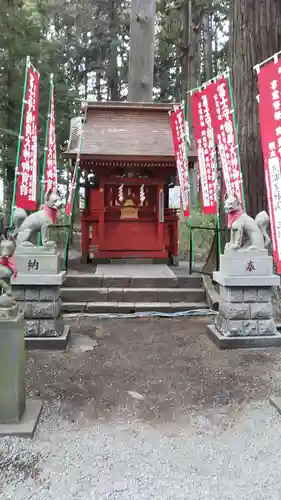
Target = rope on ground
(145,314)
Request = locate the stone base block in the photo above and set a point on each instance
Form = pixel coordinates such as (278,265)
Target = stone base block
(27,424)
(245,310)
(43,327)
(252,342)
(49,343)
(245,327)
(38,263)
(41,305)
(41,310)
(246,281)
(32,249)
(246,294)
(243,263)
(36,293)
(39,279)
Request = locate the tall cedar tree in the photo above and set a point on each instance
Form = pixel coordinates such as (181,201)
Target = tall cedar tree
(255,36)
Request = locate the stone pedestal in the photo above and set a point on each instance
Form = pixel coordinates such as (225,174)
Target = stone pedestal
(37,288)
(17,417)
(245,315)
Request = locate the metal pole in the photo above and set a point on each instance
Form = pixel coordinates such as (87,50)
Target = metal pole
(45,151)
(46,141)
(66,251)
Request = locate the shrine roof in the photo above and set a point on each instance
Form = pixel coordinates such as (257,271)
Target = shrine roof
(124,130)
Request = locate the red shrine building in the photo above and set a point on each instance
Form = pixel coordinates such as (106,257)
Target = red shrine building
(127,167)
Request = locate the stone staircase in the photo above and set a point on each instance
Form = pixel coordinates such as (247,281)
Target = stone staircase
(88,293)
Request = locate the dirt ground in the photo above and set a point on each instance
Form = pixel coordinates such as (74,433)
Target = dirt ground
(170,363)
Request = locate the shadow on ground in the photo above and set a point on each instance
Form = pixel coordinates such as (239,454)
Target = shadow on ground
(170,364)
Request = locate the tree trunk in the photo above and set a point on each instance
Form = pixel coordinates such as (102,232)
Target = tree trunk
(10,143)
(208,49)
(190,57)
(98,86)
(141,61)
(255,36)
(113,75)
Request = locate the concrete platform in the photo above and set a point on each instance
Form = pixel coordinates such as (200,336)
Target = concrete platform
(49,343)
(26,427)
(135,271)
(242,342)
(133,294)
(129,307)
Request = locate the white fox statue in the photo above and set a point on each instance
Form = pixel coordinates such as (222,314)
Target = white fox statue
(246,233)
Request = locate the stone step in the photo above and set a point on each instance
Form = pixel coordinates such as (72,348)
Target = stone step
(89,280)
(133,261)
(133,294)
(129,307)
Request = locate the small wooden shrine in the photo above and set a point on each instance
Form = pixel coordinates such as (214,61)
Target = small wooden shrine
(128,166)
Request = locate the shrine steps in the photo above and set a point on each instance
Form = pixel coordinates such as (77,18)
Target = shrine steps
(89,294)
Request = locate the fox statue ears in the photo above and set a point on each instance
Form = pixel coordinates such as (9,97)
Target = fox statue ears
(228,194)
(10,238)
(48,194)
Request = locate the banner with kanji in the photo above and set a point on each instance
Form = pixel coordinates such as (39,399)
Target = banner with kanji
(26,175)
(177,121)
(269,83)
(222,114)
(204,140)
(50,167)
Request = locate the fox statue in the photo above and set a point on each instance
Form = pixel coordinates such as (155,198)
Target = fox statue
(246,233)
(28,226)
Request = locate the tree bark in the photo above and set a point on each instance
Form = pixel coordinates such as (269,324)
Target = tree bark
(113,74)
(10,141)
(190,56)
(142,43)
(255,36)
(208,49)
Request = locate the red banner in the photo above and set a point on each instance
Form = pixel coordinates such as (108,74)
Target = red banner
(51,152)
(204,139)
(26,191)
(179,139)
(269,82)
(68,207)
(225,136)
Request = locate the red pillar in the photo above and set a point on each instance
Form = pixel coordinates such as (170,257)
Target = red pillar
(101,217)
(160,216)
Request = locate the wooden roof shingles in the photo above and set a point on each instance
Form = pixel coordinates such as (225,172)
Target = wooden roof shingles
(124,130)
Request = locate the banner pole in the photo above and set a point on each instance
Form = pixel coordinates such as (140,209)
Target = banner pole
(274,56)
(191,238)
(27,65)
(216,170)
(76,188)
(42,181)
(46,142)
(236,134)
(207,82)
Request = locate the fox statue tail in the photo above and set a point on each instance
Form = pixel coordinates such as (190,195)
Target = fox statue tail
(262,221)
(18,218)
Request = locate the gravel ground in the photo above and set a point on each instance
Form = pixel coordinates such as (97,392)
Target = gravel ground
(148,409)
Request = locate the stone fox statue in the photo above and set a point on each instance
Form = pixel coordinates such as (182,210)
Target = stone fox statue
(27,227)
(246,232)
